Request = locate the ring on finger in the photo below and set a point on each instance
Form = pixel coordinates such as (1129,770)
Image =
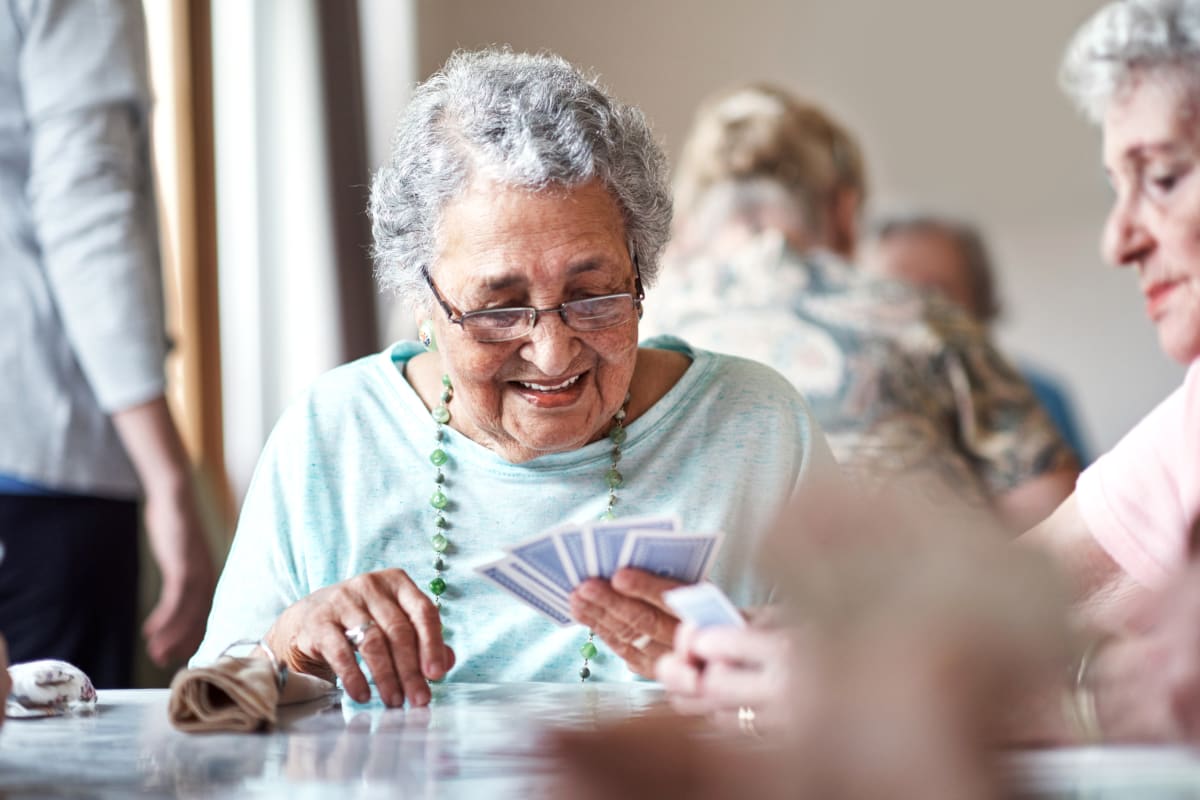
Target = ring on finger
(358,633)
(746,717)
(641,642)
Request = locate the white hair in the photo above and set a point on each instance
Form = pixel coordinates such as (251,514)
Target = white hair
(533,121)
(1129,38)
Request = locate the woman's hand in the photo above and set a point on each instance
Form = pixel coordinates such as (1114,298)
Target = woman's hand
(1147,683)
(718,671)
(402,646)
(629,614)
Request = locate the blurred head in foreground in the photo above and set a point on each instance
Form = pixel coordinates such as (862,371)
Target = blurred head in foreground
(901,645)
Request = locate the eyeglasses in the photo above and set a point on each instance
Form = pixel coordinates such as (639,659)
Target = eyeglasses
(506,324)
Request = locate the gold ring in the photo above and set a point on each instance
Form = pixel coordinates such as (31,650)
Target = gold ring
(358,633)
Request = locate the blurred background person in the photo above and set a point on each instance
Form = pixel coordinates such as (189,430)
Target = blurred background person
(950,256)
(769,193)
(85,431)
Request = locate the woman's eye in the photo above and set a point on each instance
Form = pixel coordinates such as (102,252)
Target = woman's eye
(1165,183)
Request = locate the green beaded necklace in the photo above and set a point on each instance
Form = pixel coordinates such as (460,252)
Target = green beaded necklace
(439,458)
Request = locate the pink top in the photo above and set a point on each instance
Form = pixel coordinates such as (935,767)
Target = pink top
(1140,499)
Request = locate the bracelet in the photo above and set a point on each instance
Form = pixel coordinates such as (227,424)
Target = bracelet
(1080,700)
(278,667)
(281,670)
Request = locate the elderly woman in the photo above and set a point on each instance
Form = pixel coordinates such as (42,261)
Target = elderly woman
(1128,532)
(521,215)
(1127,536)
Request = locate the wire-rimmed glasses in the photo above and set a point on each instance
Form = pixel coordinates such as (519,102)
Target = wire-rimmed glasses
(506,324)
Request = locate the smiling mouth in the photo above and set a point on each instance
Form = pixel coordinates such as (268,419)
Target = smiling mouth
(1156,296)
(547,387)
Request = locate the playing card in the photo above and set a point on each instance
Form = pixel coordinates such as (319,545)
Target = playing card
(571,551)
(604,541)
(683,557)
(533,579)
(541,554)
(503,574)
(704,605)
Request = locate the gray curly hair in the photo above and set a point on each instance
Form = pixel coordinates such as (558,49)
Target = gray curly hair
(1125,38)
(533,121)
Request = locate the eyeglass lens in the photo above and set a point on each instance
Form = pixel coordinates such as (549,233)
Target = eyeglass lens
(595,313)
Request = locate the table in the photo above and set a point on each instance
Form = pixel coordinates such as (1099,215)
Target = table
(475,740)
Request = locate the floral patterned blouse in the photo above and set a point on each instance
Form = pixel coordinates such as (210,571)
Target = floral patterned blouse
(901,381)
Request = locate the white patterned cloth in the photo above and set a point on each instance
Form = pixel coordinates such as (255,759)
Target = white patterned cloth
(49,688)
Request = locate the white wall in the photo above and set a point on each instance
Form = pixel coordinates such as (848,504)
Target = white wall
(957,106)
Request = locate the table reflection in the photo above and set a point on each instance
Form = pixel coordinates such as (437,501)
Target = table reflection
(473,738)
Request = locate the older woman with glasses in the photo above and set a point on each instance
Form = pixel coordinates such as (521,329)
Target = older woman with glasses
(520,214)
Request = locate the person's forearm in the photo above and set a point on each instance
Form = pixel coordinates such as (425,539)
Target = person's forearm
(150,438)
(1036,499)
(1104,597)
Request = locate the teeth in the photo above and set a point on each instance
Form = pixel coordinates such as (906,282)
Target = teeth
(538,387)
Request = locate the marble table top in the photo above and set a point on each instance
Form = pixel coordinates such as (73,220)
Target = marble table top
(474,740)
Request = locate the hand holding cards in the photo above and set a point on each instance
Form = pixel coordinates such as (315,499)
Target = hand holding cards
(704,606)
(543,571)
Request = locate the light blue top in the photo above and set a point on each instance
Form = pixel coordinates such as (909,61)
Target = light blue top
(344,482)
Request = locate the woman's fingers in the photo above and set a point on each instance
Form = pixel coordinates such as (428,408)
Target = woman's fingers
(400,644)
(729,686)
(627,619)
(409,644)
(644,586)
(428,624)
(390,649)
(752,646)
(641,655)
(677,674)
(330,644)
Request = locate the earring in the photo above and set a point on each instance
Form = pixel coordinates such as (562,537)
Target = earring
(425,335)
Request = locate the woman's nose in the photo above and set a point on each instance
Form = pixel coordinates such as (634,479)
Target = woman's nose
(1125,240)
(551,346)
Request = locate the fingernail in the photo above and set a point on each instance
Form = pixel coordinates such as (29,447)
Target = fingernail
(434,670)
(397,700)
(590,589)
(420,697)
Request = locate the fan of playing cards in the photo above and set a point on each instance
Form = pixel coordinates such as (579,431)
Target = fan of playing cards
(543,571)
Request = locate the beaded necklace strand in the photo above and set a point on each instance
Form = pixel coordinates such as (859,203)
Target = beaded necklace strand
(440,542)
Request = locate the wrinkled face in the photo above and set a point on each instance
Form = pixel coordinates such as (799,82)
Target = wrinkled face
(925,258)
(1152,155)
(555,389)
